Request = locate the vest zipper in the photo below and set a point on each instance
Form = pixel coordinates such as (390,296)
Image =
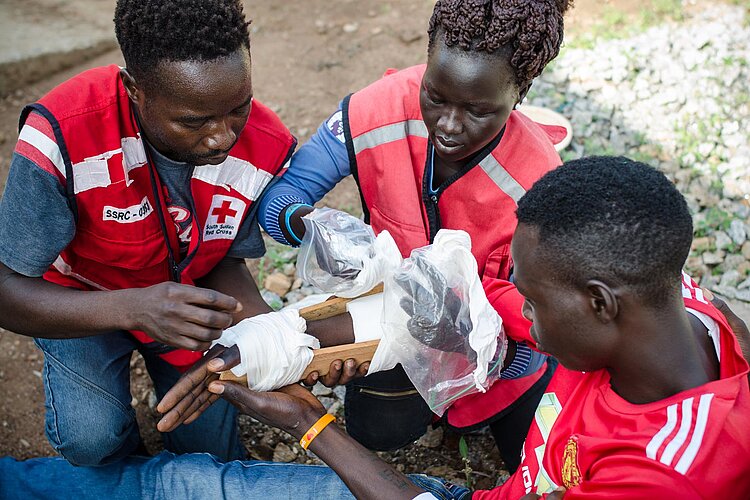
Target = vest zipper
(431,198)
(196,222)
(433,215)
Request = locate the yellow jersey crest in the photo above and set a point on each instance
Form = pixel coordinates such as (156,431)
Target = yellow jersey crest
(571,474)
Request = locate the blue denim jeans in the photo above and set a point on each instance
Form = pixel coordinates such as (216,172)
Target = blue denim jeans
(193,476)
(89,420)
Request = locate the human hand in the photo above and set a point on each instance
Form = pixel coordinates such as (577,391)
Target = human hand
(335,262)
(736,323)
(292,409)
(339,373)
(339,242)
(189,397)
(436,318)
(181,316)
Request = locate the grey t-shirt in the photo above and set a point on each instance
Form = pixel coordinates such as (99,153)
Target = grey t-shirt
(36,223)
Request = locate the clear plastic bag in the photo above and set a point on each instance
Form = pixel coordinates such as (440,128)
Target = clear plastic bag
(340,254)
(439,323)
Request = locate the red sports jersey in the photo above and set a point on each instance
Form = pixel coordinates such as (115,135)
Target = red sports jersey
(695,444)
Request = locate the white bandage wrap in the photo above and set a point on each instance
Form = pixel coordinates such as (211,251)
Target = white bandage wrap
(384,358)
(367,321)
(384,258)
(366,313)
(274,349)
(487,323)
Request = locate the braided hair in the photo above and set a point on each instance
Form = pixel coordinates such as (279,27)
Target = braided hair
(530,32)
(150,31)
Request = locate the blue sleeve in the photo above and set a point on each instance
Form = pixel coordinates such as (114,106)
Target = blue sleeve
(526,362)
(314,170)
(36,223)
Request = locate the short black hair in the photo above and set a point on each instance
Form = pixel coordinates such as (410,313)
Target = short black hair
(613,219)
(530,32)
(150,31)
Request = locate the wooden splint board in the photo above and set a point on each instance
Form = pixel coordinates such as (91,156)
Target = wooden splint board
(322,358)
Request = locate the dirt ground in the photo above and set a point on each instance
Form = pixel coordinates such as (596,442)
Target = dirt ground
(306,57)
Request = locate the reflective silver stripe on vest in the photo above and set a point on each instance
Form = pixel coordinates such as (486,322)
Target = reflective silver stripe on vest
(502,178)
(234,172)
(389,133)
(397,131)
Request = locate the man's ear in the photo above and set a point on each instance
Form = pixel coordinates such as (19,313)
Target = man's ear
(602,300)
(131,87)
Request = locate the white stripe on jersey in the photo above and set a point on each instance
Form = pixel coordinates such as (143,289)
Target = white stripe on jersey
(659,437)
(44,145)
(673,446)
(389,133)
(687,424)
(690,290)
(695,442)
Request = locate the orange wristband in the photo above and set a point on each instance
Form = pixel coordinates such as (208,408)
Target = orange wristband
(316,429)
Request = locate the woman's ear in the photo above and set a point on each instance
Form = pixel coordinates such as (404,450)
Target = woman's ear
(603,301)
(522,93)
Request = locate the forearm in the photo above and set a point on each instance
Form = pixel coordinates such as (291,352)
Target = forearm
(38,308)
(232,277)
(366,475)
(336,330)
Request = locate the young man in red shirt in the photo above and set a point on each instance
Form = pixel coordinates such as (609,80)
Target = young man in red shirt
(653,390)
(651,400)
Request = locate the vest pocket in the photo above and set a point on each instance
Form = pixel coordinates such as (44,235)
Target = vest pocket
(407,236)
(132,254)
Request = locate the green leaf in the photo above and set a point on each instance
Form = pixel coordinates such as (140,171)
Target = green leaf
(463,448)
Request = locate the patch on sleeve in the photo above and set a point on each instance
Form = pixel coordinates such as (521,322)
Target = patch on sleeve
(336,125)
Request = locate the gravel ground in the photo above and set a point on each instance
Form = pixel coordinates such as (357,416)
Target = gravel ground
(678,97)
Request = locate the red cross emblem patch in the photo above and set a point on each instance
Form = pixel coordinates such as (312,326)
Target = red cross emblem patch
(224,217)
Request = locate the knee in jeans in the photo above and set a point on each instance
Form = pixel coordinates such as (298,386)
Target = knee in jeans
(97,444)
(90,453)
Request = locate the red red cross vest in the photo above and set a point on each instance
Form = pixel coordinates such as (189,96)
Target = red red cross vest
(125,237)
(388,146)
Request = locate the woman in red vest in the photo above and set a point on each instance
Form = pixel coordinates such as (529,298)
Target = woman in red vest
(440,146)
